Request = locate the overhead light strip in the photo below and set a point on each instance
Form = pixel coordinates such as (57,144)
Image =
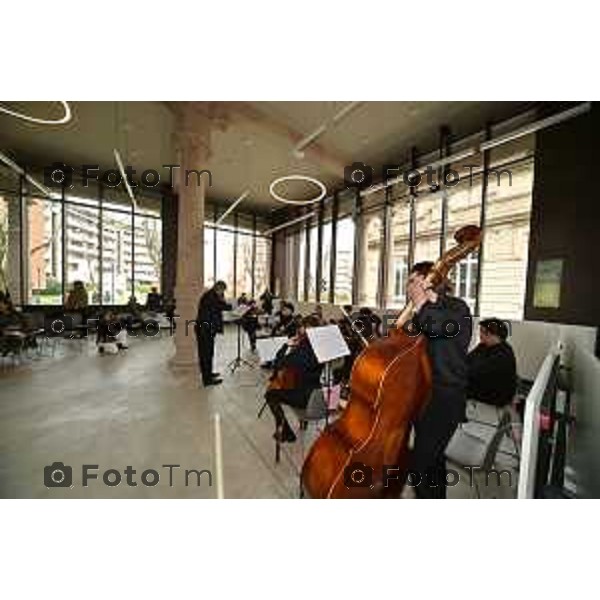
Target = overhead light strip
(20,171)
(503,139)
(537,126)
(63,120)
(290,223)
(232,207)
(124,177)
(319,131)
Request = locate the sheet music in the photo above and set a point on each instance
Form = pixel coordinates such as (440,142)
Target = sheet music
(327,342)
(230,316)
(267,348)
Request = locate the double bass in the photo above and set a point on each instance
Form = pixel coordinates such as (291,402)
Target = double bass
(390,385)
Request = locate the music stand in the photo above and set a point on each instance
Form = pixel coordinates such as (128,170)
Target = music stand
(238,361)
(328,344)
(267,350)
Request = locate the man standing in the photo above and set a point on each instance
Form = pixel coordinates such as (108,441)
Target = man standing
(446,321)
(209,322)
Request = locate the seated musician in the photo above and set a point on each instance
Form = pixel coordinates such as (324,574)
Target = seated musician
(249,321)
(318,313)
(295,362)
(9,317)
(111,335)
(446,321)
(77,299)
(286,324)
(492,365)
(370,323)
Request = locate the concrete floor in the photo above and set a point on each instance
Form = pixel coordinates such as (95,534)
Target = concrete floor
(79,408)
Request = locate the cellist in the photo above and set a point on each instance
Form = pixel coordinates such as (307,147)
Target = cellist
(297,359)
(446,321)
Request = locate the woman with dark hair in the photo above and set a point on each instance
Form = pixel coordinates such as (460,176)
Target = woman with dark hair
(286,324)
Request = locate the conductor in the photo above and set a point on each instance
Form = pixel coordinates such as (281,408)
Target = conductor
(209,322)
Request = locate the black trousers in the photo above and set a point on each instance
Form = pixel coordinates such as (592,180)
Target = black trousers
(206,352)
(250,327)
(294,398)
(433,431)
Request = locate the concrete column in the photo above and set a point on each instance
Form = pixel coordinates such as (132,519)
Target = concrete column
(192,138)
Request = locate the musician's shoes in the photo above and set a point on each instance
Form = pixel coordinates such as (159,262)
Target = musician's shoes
(213,381)
(216,375)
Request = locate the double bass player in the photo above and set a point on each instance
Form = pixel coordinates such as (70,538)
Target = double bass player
(446,322)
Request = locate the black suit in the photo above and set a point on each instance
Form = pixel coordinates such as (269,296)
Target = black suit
(209,322)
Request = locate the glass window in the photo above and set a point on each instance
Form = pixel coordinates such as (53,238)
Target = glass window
(325,262)
(209,257)
(398,263)
(116,257)
(291,261)
(373,232)
(262,265)
(464,208)
(43,258)
(314,243)
(344,261)
(506,244)
(301,265)
(147,256)
(428,217)
(243,269)
(225,242)
(10,243)
(83,249)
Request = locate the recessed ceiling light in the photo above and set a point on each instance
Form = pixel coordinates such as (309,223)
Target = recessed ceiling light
(316,182)
(65,119)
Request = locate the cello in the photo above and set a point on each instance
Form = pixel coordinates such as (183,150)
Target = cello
(390,385)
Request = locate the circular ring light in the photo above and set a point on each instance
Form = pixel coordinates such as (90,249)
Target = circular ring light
(316,182)
(65,119)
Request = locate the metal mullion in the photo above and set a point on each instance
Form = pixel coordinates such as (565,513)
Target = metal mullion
(253,292)
(382,280)
(333,249)
(412,233)
(101,243)
(319,258)
(484,189)
(271,278)
(64,243)
(132,294)
(358,235)
(235,243)
(442,173)
(215,245)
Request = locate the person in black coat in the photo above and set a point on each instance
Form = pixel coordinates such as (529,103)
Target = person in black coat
(446,322)
(298,356)
(266,299)
(249,321)
(492,365)
(209,323)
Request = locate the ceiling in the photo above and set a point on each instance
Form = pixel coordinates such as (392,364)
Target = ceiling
(257,143)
